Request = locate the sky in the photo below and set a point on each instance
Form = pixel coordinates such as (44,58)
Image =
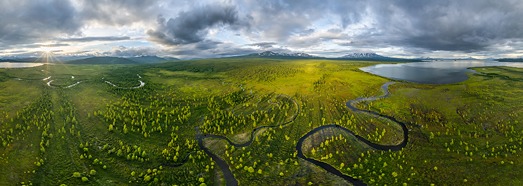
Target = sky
(210,28)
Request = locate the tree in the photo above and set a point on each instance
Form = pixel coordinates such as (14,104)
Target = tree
(85,179)
(76,174)
(92,172)
(147,178)
(394,174)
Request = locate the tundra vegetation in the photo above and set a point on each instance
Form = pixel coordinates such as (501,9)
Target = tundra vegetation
(94,133)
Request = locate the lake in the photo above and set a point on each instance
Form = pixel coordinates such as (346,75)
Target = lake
(434,72)
(18,65)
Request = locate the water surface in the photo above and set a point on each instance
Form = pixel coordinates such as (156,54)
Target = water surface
(434,72)
(18,65)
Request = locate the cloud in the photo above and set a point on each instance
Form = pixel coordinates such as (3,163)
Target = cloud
(462,26)
(27,21)
(466,26)
(46,45)
(216,50)
(119,12)
(89,39)
(191,26)
(311,38)
(123,51)
(280,20)
(263,45)
(216,28)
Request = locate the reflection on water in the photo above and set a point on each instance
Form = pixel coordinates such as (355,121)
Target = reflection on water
(437,72)
(18,65)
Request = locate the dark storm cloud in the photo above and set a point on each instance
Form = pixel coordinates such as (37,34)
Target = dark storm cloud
(466,25)
(24,21)
(88,39)
(413,26)
(191,26)
(27,21)
(447,25)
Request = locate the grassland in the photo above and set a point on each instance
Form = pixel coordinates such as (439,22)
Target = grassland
(93,133)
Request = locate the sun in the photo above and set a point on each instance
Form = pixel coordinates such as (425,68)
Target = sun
(47,55)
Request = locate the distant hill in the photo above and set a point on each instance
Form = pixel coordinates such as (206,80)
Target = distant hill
(151,59)
(281,55)
(103,61)
(21,60)
(510,60)
(373,57)
(353,56)
(8,60)
(121,60)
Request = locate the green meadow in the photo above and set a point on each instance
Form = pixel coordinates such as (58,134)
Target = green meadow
(143,124)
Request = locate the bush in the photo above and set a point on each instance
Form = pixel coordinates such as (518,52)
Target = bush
(76,174)
(146,178)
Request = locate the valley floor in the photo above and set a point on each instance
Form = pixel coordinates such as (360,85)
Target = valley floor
(247,122)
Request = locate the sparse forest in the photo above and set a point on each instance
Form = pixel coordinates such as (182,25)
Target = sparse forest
(256,122)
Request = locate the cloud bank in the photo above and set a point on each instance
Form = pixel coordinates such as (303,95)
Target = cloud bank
(213,28)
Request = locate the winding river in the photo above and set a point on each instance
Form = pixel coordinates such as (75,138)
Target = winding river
(139,86)
(224,167)
(350,105)
(49,81)
(231,180)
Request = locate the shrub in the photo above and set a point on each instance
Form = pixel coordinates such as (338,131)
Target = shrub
(76,174)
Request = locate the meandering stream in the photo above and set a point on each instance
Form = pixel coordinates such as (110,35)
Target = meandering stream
(139,86)
(350,105)
(49,81)
(231,180)
(227,173)
(224,167)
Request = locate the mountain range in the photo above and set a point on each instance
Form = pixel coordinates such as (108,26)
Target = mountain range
(97,60)
(265,54)
(271,54)
(352,56)
(510,60)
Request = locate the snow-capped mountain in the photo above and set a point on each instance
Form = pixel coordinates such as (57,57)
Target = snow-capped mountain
(374,57)
(353,56)
(272,54)
(362,56)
